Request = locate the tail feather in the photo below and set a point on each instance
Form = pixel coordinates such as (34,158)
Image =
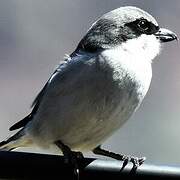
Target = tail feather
(15,141)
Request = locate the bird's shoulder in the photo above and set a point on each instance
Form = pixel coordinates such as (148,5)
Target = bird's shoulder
(68,67)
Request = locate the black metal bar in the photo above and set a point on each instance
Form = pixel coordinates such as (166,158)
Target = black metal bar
(18,165)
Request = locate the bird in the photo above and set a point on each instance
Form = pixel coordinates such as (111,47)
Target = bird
(96,88)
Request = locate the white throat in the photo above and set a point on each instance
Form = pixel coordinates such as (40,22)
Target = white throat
(145,47)
(134,58)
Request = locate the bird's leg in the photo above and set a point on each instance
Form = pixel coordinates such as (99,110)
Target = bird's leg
(70,157)
(135,160)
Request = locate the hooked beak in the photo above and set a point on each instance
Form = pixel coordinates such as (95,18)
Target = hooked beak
(165,35)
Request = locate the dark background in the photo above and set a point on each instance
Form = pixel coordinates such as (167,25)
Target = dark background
(35,35)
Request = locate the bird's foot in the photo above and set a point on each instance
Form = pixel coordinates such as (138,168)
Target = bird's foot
(71,158)
(136,161)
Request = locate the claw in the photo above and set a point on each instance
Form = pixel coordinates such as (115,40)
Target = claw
(76,173)
(137,161)
(141,160)
(125,162)
(72,160)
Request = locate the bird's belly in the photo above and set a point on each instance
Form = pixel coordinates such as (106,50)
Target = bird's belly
(86,114)
(96,129)
(97,117)
(87,121)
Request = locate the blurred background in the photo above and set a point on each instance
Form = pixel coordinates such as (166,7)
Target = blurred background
(35,35)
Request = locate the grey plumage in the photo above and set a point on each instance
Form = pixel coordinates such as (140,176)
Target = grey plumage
(98,87)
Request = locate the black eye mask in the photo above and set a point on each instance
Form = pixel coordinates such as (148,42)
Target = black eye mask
(143,26)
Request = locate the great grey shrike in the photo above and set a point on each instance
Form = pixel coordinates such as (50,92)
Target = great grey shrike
(97,88)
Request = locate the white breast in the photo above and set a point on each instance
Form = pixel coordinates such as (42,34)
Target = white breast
(135,57)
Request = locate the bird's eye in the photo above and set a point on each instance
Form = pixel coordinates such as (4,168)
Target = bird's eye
(143,25)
